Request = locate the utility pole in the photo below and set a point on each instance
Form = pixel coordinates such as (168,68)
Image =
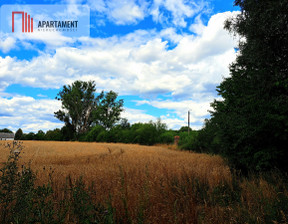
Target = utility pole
(188,122)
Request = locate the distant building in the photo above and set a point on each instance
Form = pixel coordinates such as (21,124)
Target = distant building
(6,136)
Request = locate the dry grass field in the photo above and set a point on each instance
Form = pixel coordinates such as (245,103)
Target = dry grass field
(148,184)
(102,163)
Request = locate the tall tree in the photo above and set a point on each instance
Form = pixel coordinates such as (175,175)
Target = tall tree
(78,102)
(18,134)
(108,110)
(81,108)
(252,118)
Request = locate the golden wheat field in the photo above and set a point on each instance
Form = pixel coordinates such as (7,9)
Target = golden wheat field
(156,183)
(102,162)
(141,168)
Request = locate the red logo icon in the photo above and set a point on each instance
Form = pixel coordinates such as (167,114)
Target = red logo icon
(25,20)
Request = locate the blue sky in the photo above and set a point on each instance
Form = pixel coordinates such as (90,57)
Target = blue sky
(163,57)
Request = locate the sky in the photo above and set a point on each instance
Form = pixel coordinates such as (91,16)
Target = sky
(163,58)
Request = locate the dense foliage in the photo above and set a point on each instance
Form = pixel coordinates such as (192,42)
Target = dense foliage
(18,134)
(81,108)
(141,133)
(108,110)
(150,133)
(6,130)
(250,124)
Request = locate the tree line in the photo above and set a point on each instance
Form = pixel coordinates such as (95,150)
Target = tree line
(96,118)
(249,126)
(150,133)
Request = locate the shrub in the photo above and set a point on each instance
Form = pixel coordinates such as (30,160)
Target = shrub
(55,135)
(146,134)
(167,137)
(102,136)
(187,141)
(93,133)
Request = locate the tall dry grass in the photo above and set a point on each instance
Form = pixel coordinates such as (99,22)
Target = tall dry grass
(102,162)
(152,184)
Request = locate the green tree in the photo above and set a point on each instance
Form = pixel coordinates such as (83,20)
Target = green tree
(108,110)
(19,134)
(124,123)
(252,118)
(67,132)
(82,109)
(208,140)
(167,137)
(160,127)
(185,129)
(78,102)
(40,135)
(146,134)
(30,136)
(93,133)
(6,130)
(54,135)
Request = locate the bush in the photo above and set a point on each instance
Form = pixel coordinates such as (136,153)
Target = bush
(103,136)
(167,137)
(146,134)
(55,135)
(187,141)
(20,200)
(29,136)
(93,133)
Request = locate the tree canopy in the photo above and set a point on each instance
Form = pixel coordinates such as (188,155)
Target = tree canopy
(81,108)
(6,130)
(108,110)
(252,117)
(18,134)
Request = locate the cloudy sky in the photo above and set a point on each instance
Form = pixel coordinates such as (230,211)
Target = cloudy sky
(163,57)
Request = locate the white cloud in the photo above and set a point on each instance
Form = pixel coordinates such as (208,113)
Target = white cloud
(139,63)
(7,43)
(120,12)
(125,12)
(213,40)
(171,35)
(179,109)
(180,11)
(172,12)
(51,40)
(176,115)
(175,123)
(28,114)
(197,27)
(135,116)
